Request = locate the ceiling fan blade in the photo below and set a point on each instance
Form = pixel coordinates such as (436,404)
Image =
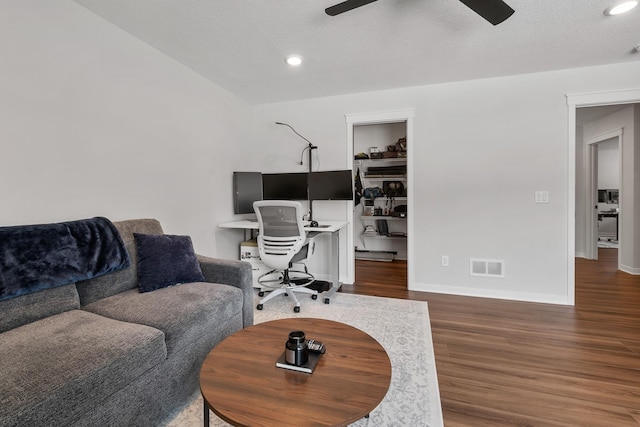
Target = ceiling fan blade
(494,11)
(346,6)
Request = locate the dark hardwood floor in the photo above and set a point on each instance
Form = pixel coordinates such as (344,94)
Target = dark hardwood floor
(506,363)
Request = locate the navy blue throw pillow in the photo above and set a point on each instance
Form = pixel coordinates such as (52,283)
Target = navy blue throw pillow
(165,260)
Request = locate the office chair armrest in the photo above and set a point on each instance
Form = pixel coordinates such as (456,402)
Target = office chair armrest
(233,273)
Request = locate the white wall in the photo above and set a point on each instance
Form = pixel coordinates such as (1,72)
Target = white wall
(482,149)
(95,122)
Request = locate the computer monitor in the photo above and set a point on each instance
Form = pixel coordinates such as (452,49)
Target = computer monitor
(331,185)
(284,186)
(247,188)
(602,196)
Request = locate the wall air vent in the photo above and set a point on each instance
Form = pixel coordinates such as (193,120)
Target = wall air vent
(486,267)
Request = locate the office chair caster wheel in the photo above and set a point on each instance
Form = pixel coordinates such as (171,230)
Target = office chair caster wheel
(259,306)
(327,300)
(296,309)
(261,294)
(314,297)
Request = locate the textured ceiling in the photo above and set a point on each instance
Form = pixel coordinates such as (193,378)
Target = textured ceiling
(241,44)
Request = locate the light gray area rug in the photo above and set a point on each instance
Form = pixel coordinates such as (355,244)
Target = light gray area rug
(402,327)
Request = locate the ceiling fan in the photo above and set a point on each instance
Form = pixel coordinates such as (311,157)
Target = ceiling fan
(494,11)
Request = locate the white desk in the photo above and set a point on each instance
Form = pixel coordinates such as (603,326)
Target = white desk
(331,227)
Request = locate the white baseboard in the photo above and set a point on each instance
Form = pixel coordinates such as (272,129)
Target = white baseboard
(490,293)
(631,270)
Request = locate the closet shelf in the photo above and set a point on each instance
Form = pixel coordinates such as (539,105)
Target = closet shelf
(383,160)
(386,197)
(379,237)
(385,177)
(388,218)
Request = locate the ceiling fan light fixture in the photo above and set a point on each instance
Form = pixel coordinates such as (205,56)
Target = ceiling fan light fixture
(620,8)
(293,60)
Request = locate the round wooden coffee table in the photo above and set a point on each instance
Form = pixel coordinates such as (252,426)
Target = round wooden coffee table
(240,382)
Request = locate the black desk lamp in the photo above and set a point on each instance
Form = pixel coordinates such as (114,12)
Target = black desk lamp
(310,147)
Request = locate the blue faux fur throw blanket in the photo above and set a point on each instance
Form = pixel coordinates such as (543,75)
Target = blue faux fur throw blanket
(36,257)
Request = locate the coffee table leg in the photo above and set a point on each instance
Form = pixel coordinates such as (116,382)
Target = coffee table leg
(206,413)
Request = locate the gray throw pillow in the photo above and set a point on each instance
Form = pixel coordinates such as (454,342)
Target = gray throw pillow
(165,260)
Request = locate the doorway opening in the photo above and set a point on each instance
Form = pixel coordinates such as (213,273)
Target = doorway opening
(603,192)
(397,119)
(580,206)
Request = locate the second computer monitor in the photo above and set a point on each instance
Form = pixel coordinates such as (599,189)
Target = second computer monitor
(284,186)
(331,185)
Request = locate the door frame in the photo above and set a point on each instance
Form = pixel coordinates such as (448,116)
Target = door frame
(394,116)
(629,96)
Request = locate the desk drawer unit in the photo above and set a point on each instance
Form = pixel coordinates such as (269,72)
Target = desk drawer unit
(249,253)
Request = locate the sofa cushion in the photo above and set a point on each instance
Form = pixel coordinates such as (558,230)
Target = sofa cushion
(185,312)
(64,365)
(165,260)
(120,281)
(38,305)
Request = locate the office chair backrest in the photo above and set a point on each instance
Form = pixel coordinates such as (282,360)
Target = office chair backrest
(281,231)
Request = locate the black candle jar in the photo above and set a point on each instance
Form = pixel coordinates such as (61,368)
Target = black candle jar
(296,350)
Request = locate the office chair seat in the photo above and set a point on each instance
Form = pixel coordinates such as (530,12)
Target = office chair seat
(282,242)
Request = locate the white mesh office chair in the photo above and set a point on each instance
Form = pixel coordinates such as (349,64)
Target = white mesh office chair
(282,241)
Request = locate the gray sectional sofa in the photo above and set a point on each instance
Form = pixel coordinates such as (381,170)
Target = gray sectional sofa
(99,352)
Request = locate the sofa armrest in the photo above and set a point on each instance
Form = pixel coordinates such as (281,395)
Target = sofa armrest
(233,273)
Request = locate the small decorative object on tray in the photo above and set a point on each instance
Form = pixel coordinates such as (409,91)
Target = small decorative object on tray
(300,354)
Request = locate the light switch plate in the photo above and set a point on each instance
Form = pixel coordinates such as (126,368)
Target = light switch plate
(542,197)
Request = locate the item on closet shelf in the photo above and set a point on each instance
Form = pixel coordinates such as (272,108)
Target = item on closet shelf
(375,153)
(372,192)
(383,171)
(357,188)
(361,156)
(397,234)
(401,145)
(399,211)
(369,230)
(383,227)
(389,154)
(393,188)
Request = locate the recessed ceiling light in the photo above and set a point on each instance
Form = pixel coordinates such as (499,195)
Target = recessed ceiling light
(294,60)
(620,8)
